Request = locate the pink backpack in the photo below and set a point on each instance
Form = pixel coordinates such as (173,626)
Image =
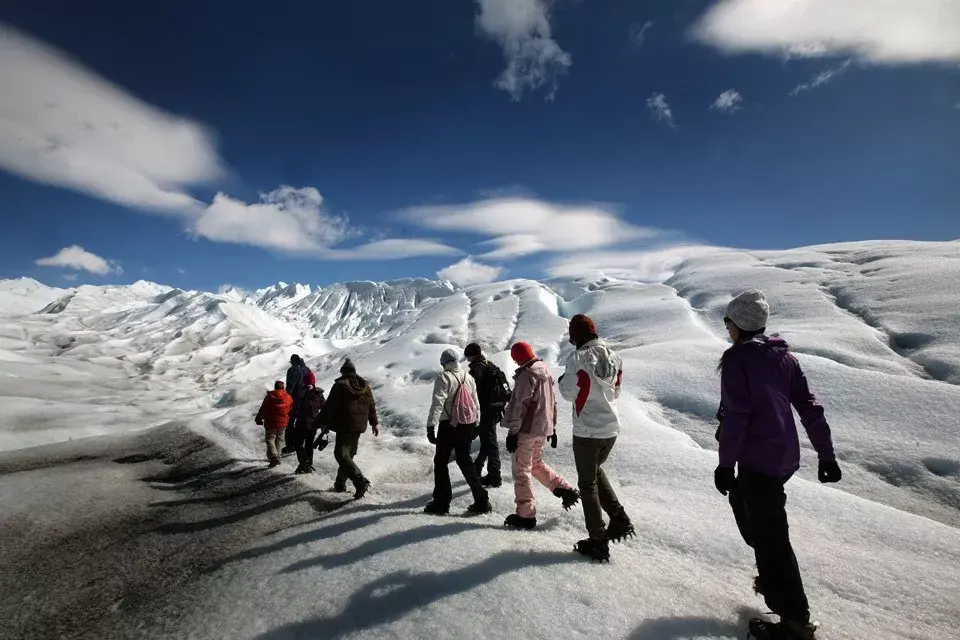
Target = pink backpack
(464,410)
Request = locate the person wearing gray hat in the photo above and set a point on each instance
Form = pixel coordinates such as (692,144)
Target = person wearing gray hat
(760,451)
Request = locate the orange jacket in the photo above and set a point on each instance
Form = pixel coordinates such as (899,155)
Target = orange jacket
(275,411)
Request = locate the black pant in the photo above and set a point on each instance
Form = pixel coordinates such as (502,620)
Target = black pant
(489,451)
(759,506)
(289,439)
(452,439)
(344,449)
(303,443)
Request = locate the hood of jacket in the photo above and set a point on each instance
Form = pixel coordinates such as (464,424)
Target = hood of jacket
(453,367)
(773,347)
(536,367)
(605,363)
(353,383)
(277,396)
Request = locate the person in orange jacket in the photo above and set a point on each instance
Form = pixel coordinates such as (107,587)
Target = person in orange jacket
(274,415)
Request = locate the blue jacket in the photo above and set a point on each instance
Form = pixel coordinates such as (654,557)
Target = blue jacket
(760,381)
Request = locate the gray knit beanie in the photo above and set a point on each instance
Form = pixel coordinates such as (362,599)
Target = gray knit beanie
(449,356)
(749,311)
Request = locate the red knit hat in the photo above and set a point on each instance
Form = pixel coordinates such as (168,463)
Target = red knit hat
(581,326)
(309,379)
(522,353)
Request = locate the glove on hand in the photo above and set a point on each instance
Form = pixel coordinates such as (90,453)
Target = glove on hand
(512,443)
(829,471)
(553,440)
(321,442)
(432,435)
(725,479)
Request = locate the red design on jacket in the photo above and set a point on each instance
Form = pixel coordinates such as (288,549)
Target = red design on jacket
(583,383)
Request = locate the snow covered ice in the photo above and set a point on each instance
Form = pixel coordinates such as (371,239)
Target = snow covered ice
(875,326)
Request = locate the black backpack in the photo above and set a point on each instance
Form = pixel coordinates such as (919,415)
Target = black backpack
(495,388)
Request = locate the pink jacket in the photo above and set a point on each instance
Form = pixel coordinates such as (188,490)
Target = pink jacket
(532,408)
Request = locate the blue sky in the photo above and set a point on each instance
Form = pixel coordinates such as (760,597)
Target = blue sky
(202,143)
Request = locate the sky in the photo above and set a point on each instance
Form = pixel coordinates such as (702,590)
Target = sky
(205,143)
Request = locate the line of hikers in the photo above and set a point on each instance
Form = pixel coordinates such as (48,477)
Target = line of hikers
(760,382)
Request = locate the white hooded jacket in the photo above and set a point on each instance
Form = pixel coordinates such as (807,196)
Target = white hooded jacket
(592,382)
(445,392)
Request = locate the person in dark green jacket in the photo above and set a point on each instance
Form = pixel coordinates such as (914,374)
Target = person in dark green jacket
(347,411)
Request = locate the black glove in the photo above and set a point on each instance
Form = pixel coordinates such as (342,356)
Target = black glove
(512,442)
(829,471)
(725,479)
(560,379)
(321,442)
(432,435)
(553,440)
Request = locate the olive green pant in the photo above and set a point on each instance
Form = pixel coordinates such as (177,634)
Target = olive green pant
(597,495)
(344,449)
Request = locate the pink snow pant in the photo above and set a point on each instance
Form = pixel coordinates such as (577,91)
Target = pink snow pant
(527,462)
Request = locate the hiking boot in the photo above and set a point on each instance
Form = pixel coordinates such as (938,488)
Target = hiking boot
(516,522)
(569,496)
(761,629)
(599,550)
(339,488)
(757,586)
(436,509)
(362,489)
(286,451)
(620,529)
(478,508)
(299,470)
(491,482)
(274,463)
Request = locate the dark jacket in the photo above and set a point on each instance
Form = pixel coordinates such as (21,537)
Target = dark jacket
(760,380)
(295,382)
(482,370)
(310,406)
(350,406)
(275,409)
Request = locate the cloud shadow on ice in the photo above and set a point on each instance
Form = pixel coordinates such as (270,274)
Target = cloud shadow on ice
(396,595)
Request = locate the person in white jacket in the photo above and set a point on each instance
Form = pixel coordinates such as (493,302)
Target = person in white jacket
(450,437)
(592,382)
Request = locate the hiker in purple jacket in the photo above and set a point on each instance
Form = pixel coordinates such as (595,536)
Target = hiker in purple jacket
(760,382)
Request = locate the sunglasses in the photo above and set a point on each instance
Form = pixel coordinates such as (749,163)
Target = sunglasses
(727,320)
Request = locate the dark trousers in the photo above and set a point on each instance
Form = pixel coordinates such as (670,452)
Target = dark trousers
(455,440)
(289,438)
(344,449)
(759,506)
(303,443)
(597,495)
(489,450)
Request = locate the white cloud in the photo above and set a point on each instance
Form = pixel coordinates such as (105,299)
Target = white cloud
(71,277)
(468,272)
(61,124)
(728,101)
(638,33)
(292,220)
(654,264)
(522,29)
(76,257)
(660,108)
(286,219)
(524,226)
(821,78)
(181,271)
(875,31)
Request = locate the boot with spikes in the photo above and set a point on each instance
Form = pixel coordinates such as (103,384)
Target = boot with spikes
(593,548)
(761,629)
(620,529)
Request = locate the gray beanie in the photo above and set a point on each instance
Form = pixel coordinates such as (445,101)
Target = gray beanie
(749,311)
(449,356)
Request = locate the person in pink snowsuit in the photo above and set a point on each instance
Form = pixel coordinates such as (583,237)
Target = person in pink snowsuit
(531,419)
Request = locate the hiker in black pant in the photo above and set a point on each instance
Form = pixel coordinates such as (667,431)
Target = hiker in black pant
(453,416)
(493,392)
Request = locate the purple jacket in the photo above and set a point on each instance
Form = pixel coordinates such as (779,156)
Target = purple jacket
(760,381)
